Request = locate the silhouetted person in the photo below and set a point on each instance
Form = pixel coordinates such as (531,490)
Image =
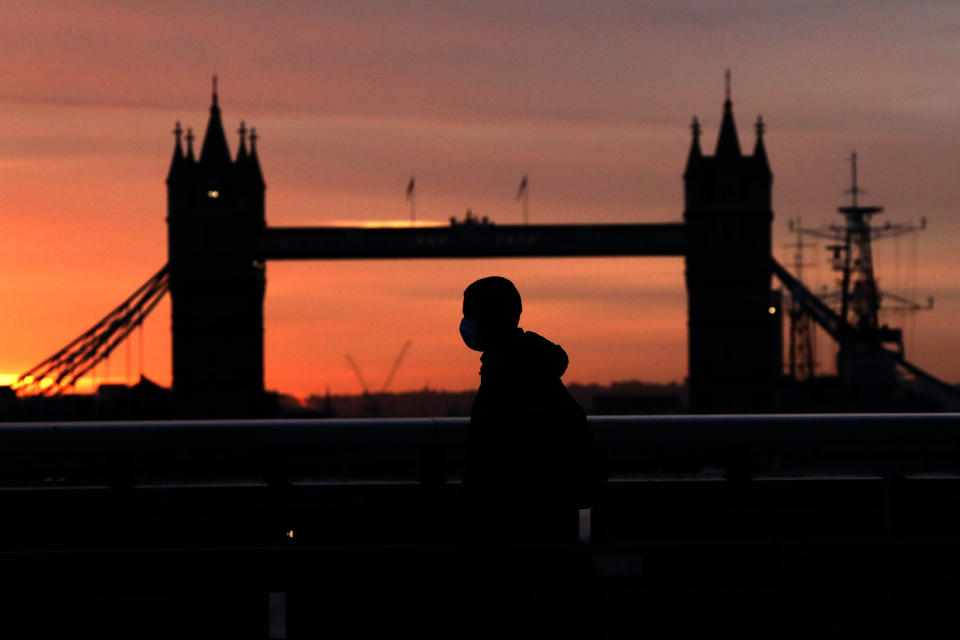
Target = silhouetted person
(530,465)
(530,459)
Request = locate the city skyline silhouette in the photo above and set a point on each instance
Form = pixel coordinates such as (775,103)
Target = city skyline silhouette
(101,157)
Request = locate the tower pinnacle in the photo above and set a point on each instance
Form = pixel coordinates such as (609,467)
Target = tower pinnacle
(759,150)
(242,150)
(693,158)
(254,161)
(176,164)
(728,144)
(214,152)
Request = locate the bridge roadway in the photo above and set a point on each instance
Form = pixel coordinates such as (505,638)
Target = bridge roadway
(473,241)
(777,526)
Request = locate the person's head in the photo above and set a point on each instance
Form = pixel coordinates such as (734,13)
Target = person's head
(491,312)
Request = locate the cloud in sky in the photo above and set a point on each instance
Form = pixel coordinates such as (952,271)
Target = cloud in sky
(466,60)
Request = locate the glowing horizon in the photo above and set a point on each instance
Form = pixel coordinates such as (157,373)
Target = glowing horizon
(386,224)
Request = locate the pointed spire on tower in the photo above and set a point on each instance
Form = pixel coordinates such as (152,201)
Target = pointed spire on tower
(759,150)
(693,158)
(254,161)
(242,148)
(215,150)
(190,157)
(176,164)
(728,144)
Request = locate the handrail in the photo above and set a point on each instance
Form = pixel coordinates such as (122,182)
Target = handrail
(838,427)
(431,450)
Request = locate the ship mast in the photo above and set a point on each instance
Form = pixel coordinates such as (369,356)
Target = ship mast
(862,338)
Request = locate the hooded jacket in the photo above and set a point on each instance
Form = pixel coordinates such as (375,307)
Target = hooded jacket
(525,446)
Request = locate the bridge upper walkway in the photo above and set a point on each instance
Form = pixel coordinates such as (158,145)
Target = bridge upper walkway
(474,241)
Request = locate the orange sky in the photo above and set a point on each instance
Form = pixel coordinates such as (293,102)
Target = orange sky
(592,100)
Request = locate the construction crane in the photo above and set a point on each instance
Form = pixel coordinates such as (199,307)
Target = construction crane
(359,374)
(396,366)
(372,402)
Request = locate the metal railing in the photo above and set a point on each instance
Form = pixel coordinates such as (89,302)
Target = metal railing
(216,513)
(430,449)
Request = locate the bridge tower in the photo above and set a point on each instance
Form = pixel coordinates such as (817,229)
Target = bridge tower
(215,215)
(734,318)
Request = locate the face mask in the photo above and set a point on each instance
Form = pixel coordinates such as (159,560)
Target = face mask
(470,333)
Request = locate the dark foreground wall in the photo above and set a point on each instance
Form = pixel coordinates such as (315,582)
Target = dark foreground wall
(786,526)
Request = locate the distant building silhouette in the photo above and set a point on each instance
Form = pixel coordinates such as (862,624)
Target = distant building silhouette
(734,317)
(215,217)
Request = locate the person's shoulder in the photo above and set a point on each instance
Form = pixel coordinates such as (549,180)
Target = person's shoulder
(543,355)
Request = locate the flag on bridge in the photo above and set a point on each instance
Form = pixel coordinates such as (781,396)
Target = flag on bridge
(411,197)
(523,187)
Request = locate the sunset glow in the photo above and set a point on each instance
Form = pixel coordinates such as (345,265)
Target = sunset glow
(592,101)
(387,224)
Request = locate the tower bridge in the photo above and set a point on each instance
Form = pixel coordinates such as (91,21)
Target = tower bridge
(220,243)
